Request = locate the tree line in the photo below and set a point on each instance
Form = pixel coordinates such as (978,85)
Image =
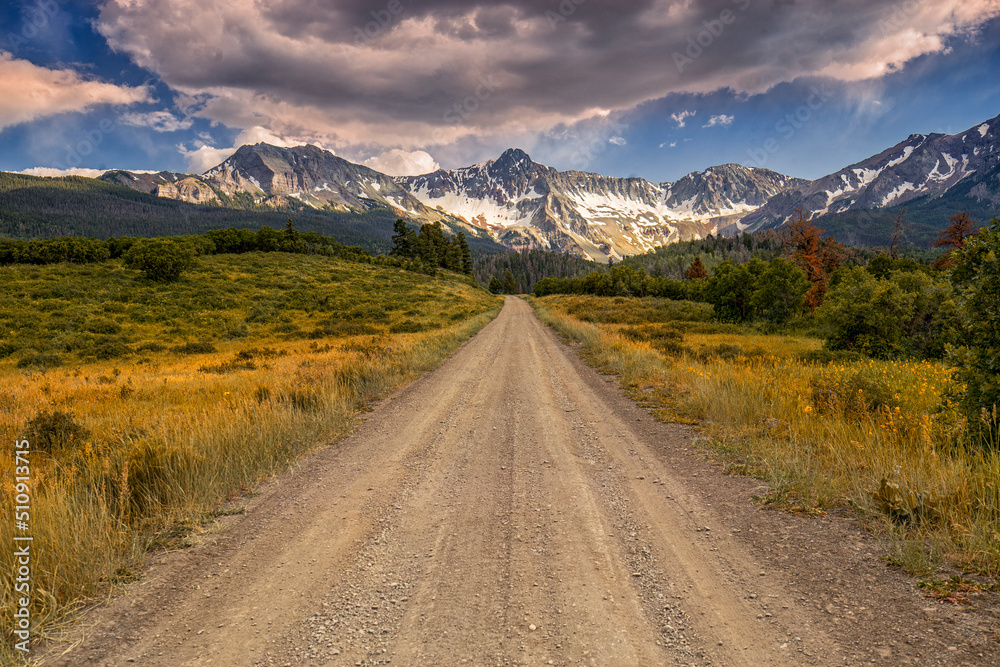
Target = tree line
(32,207)
(527,267)
(165,258)
(803,271)
(430,248)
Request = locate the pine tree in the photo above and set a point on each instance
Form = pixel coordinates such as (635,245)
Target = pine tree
(463,245)
(404,240)
(509,284)
(496,287)
(697,270)
(453,256)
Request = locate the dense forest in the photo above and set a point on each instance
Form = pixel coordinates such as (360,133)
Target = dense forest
(876,304)
(45,208)
(527,267)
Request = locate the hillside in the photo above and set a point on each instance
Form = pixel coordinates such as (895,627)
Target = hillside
(40,208)
(927,178)
(147,404)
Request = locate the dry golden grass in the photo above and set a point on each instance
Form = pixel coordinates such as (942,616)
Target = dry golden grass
(876,436)
(166,437)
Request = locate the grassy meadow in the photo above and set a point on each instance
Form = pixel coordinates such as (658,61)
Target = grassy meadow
(877,436)
(148,404)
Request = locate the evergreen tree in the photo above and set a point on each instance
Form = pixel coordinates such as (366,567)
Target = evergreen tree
(496,287)
(453,256)
(404,240)
(697,270)
(466,254)
(509,284)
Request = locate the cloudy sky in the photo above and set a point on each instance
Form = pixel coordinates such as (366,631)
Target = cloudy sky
(651,88)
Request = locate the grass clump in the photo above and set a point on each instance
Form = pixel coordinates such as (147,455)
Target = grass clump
(54,431)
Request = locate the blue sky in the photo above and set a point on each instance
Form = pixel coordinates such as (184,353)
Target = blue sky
(650,88)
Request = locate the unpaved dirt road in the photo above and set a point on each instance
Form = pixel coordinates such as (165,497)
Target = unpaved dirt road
(512,508)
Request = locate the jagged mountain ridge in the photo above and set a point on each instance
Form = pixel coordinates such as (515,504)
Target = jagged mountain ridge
(513,199)
(521,203)
(526,204)
(274,176)
(919,169)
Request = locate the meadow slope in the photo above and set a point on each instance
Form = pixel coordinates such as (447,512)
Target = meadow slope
(147,404)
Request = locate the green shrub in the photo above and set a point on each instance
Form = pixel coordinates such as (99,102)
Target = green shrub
(237,331)
(906,315)
(368,313)
(858,394)
(53,432)
(161,259)
(35,359)
(406,326)
(664,337)
(197,347)
(107,348)
(976,277)
(101,325)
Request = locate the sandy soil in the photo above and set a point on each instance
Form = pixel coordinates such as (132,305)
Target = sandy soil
(514,508)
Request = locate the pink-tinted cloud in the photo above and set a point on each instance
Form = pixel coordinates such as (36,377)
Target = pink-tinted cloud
(29,92)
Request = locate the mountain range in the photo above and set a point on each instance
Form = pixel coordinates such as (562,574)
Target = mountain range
(519,203)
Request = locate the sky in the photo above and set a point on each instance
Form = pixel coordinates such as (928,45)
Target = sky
(650,88)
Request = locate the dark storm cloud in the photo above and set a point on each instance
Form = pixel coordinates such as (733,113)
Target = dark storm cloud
(421,72)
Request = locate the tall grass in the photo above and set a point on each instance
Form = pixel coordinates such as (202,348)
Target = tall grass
(880,437)
(130,450)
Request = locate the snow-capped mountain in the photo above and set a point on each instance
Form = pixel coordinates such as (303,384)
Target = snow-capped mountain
(275,176)
(922,167)
(171,185)
(523,203)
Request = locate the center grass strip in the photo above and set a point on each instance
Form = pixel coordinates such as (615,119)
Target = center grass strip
(874,436)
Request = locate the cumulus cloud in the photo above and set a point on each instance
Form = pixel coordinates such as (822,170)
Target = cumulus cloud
(398,162)
(437,72)
(29,92)
(49,171)
(681,117)
(721,119)
(161,121)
